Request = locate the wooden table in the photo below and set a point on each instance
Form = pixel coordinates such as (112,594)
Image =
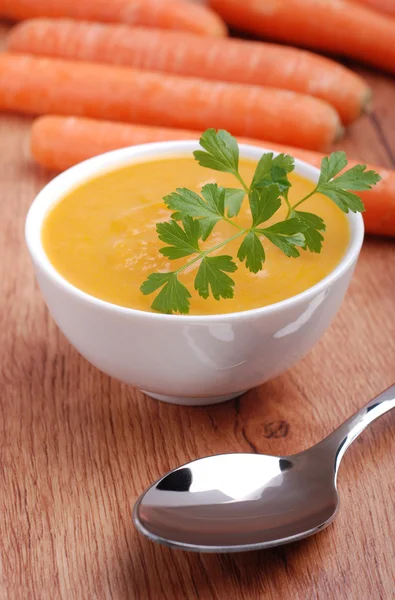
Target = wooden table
(77,448)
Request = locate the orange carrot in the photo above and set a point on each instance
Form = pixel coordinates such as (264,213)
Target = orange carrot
(255,63)
(58,143)
(385,6)
(166,14)
(331,25)
(42,85)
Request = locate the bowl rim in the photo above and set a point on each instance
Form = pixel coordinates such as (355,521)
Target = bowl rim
(68,180)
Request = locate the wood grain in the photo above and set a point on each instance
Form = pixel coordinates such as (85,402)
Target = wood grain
(77,448)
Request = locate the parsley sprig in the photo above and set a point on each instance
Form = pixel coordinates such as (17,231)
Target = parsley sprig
(194,217)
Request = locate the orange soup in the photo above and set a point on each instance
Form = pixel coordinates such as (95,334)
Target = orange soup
(101,237)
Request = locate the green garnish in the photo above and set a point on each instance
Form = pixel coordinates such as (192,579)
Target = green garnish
(194,217)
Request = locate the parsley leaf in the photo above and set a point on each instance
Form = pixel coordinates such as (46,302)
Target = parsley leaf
(185,202)
(338,188)
(286,235)
(346,201)
(271,170)
(215,198)
(182,242)
(154,281)
(173,297)
(210,208)
(252,251)
(233,201)
(212,275)
(287,227)
(331,166)
(357,178)
(264,203)
(312,234)
(221,151)
(287,244)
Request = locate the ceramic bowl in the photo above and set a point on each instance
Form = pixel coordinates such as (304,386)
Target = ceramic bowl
(192,360)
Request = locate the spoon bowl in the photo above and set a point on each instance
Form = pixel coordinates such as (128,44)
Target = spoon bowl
(233,500)
(236,502)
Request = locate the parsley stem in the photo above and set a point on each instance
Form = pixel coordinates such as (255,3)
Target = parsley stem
(305,198)
(239,177)
(289,207)
(232,223)
(205,252)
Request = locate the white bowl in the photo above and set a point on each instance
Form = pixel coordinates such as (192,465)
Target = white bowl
(193,360)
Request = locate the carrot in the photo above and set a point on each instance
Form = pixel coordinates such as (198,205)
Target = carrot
(42,85)
(60,142)
(385,6)
(166,14)
(255,63)
(331,25)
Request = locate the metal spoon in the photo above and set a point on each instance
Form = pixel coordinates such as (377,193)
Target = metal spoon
(238,502)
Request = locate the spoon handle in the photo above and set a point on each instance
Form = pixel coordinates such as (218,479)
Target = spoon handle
(342,438)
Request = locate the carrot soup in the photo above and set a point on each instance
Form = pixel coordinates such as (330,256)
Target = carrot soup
(101,237)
